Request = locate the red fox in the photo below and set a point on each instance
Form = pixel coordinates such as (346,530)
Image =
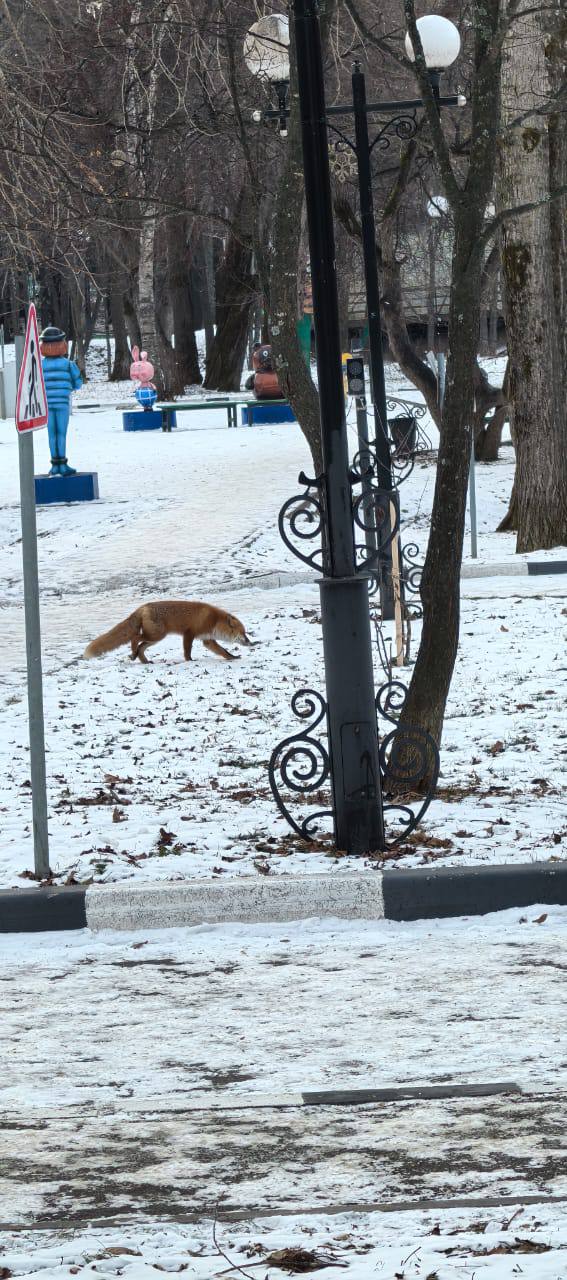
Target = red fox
(188,618)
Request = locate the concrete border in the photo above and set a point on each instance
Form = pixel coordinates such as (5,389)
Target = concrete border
(424,894)
(42,909)
(289,578)
(420,894)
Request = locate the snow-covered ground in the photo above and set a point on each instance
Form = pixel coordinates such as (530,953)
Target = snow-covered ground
(494,1243)
(160,772)
(146,1093)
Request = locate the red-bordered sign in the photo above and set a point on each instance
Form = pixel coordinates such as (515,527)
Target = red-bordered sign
(31,400)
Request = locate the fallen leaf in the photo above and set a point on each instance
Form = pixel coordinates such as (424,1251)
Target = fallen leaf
(298,1261)
(496,749)
(115,1251)
(166,837)
(513,1246)
(540,919)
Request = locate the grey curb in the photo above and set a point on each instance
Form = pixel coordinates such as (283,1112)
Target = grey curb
(504,569)
(369,895)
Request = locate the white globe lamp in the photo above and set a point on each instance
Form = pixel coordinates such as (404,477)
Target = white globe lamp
(440,39)
(266,48)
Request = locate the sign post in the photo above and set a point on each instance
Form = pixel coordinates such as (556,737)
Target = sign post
(31,414)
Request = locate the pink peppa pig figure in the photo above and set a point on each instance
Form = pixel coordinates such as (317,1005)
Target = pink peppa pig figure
(142,371)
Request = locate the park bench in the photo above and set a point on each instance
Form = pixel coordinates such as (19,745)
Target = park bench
(168,407)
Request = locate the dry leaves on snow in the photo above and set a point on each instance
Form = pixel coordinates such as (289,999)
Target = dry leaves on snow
(297,1261)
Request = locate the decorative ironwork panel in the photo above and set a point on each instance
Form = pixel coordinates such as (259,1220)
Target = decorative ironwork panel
(300,763)
(301,519)
(412,571)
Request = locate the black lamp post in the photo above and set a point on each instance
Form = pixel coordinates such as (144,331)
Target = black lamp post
(353,760)
(441,43)
(351,713)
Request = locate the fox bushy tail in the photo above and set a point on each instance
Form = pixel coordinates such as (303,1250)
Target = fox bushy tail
(121,634)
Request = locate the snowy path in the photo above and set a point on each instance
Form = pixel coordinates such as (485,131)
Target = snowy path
(119,1054)
(182,749)
(173,507)
(134,752)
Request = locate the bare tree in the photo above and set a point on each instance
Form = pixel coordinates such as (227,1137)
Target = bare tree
(533,262)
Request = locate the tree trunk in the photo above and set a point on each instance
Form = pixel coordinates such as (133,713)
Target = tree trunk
(488,431)
(187,371)
(132,323)
(401,346)
(236,297)
(537,388)
(556,52)
(122,357)
(294,376)
(146,299)
(204,285)
(431,289)
(440,587)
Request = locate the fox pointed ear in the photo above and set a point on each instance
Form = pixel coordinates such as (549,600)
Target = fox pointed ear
(135,353)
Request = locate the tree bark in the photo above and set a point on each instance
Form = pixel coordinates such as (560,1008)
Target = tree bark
(122,357)
(187,372)
(533,319)
(236,297)
(146,309)
(440,587)
(556,52)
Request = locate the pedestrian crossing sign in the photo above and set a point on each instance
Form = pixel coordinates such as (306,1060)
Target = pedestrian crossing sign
(31,400)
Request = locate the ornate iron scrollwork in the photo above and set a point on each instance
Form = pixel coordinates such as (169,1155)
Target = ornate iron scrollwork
(302,518)
(404,127)
(371,513)
(412,571)
(407,756)
(301,762)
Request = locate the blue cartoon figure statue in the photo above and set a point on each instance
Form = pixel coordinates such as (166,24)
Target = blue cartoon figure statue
(61,377)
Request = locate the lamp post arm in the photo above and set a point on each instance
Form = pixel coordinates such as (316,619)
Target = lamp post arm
(453,191)
(381,108)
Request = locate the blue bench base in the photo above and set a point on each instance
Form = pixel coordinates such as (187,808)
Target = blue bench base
(83,487)
(140,420)
(266,412)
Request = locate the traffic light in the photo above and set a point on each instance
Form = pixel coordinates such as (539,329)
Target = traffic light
(355,376)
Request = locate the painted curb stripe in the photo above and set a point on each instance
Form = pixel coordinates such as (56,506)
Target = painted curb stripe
(39,910)
(540,566)
(129,1110)
(242,899)
(101,1221)
(472,891)
(394,895)
(359,1097)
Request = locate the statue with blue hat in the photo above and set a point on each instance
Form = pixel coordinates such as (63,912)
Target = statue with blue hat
(61,377)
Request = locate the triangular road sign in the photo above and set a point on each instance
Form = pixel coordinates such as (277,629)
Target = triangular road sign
(31,400)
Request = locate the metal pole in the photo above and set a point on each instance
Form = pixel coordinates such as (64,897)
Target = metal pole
(472,503)
(377,379)
(364,453)
(441,368)
(347,642)
(33,655)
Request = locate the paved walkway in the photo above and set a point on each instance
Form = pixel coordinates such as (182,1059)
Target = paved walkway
(151,1074)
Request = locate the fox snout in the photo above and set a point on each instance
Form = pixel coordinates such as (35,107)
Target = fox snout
(245,639)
